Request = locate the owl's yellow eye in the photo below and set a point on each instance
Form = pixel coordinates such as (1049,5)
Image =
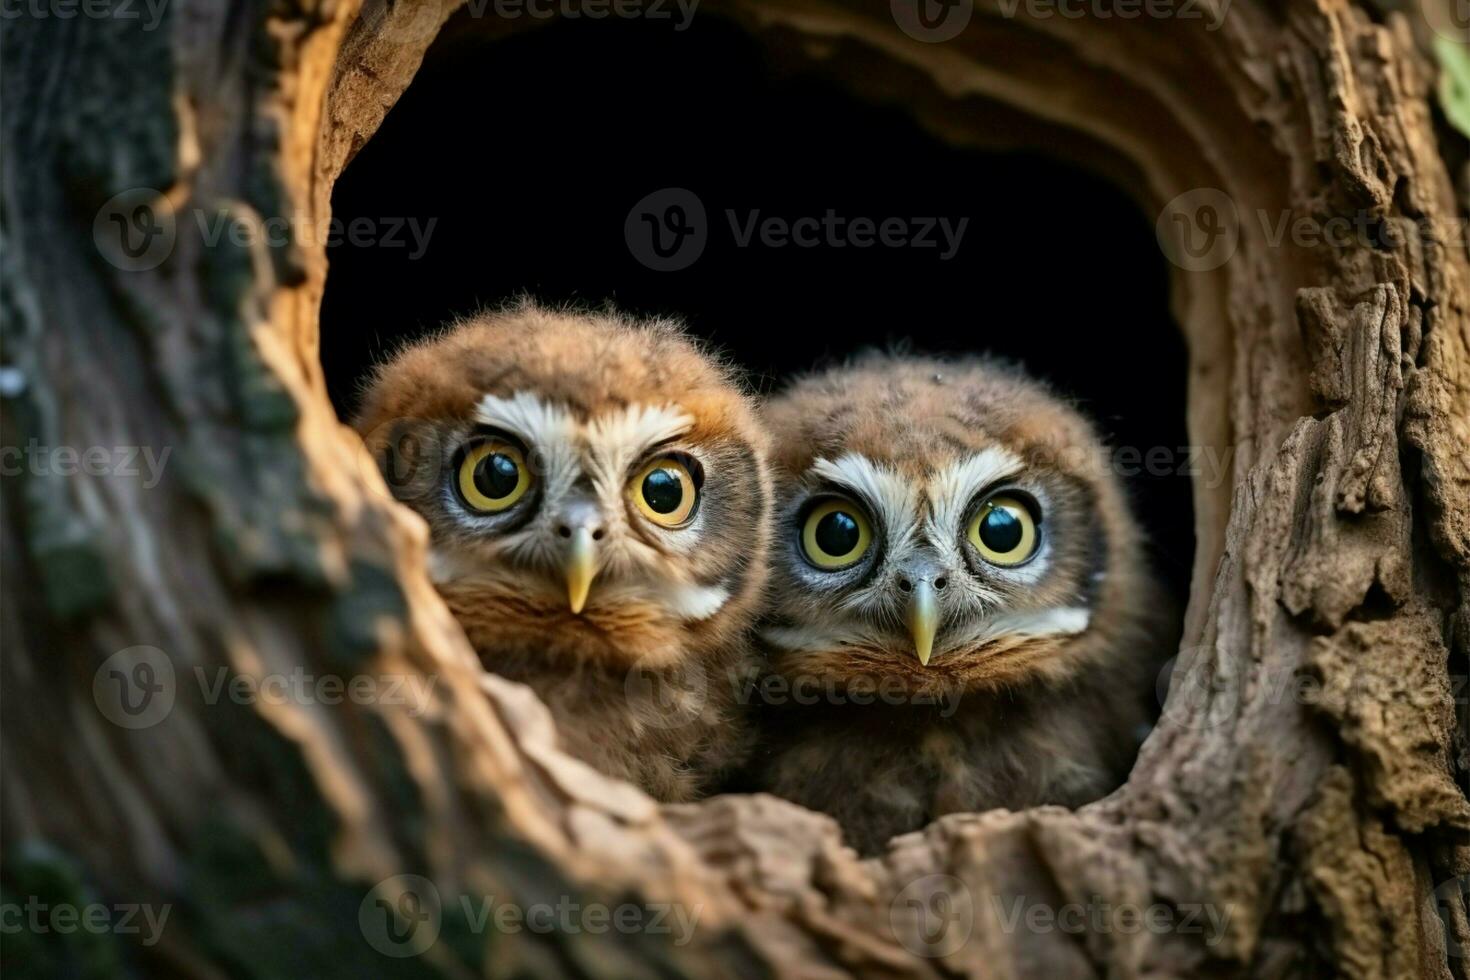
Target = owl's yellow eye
(665,491)
(1003,531)
(493,476)
(835,535)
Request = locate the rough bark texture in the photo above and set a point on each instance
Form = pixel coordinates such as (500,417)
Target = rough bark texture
(1305,787)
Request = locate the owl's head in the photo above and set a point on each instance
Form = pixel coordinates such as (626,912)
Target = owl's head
(947,524)
(594,486)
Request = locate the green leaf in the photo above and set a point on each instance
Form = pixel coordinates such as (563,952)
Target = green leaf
(1454,81)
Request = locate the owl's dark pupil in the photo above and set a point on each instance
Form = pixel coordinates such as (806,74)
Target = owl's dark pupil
(1001,530)
(837,534)
(662,491)
(497,476)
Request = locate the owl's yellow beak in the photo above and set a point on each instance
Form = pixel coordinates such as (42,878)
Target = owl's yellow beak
(923,619)
(581,568)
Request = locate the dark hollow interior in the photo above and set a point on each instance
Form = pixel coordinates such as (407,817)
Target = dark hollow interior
(528,153)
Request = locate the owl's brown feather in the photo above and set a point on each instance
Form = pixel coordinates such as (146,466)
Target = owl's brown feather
(635,679)
(1011,720)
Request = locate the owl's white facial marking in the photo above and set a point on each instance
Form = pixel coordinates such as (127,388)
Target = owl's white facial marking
(618,440)
(953,489)
(541,424)
(689,602)
(891,498)
(582,468)
(1058,621)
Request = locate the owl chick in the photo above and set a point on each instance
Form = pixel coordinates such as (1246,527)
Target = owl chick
(597,496)
(962,617)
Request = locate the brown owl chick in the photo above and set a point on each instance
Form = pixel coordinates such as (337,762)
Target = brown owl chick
(962,617)
(597,497)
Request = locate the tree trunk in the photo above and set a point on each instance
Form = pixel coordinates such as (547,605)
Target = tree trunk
(1299,809)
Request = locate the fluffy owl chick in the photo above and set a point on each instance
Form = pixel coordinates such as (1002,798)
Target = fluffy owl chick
(962,617)
(597,497)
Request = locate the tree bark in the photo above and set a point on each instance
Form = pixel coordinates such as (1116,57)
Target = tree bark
(1299,810)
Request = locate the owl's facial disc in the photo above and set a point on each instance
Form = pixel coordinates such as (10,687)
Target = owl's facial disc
(596,489)
(604,509)
(941,564)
